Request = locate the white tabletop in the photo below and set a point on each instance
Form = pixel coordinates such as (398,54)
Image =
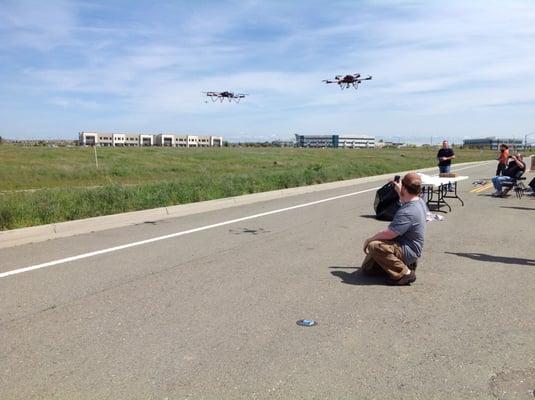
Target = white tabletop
(436,181)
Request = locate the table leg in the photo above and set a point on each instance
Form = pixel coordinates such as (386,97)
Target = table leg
(455,195)
(442,191)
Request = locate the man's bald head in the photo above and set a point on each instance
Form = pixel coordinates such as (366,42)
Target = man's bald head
(412,183)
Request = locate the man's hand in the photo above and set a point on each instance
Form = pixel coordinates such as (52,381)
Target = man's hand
(385,234)
(397,187)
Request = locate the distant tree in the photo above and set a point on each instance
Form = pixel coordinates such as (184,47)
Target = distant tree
(1,140)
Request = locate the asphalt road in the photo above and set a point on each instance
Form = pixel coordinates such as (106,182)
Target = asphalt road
(212,314)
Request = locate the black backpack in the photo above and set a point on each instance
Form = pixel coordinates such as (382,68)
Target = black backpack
(386,202)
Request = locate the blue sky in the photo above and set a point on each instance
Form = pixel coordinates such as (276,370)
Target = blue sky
(453,69)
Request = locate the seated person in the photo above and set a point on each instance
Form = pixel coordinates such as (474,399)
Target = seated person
(514,170)
(503,159)
(394,250)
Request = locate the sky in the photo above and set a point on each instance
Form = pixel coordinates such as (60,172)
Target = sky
(441,69)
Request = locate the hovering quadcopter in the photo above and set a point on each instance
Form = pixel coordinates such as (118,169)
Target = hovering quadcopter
(349,80)
(220,96)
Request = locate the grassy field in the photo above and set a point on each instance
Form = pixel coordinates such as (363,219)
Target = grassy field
(40,185)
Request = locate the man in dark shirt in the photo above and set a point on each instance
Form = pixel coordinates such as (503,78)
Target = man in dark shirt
(514,170)
(444,156)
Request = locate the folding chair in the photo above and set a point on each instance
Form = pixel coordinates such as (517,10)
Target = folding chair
(516,184)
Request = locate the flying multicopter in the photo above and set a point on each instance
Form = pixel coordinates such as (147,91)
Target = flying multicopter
(220,96)
(348,80)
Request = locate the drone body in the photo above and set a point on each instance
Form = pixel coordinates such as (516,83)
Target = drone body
(230,96)
(348,80)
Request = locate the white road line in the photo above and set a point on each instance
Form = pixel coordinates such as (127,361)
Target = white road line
(476,165)
(173,235)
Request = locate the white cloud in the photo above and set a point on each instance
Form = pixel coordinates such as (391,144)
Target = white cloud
(37,24)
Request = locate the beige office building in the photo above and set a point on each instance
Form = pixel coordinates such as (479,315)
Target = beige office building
(131,140)
(135,140)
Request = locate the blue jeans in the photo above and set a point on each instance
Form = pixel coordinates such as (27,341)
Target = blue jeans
(445,169)
(497,181)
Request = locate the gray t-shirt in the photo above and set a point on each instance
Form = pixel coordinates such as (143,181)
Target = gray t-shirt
(409,224)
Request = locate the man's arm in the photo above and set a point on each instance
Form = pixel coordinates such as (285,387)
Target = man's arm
(385,234)
(450,157)
(519,163)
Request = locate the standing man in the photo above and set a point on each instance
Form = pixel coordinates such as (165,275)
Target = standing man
(444,156)
(394,250)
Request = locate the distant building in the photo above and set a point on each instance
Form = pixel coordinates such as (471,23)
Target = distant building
(165,140)
(118,139)
(493,143)
(146,140)
(317,141)
(135,140)
(131,140)
(87,139)
(335,141)
(104,139)
(216,141)
(356,141)
(181,141)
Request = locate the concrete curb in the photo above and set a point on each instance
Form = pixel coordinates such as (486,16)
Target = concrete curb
(17,237)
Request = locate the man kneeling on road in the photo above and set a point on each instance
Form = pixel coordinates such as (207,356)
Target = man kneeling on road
(395,249)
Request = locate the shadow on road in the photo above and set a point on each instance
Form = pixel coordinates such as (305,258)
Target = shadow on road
(519,208)
(371,216)
(498,259)
(357,278)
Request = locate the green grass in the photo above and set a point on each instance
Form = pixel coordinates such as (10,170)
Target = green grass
(131,179)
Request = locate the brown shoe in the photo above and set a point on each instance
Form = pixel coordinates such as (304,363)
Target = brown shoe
(405,280)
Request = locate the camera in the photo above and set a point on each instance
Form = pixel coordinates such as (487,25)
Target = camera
(397,178)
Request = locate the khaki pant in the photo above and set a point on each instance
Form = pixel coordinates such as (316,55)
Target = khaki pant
(384,255)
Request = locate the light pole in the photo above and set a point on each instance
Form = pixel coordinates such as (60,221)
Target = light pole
(526,139)
(96,158)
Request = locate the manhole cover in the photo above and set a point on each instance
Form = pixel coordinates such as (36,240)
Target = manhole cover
(306,322)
